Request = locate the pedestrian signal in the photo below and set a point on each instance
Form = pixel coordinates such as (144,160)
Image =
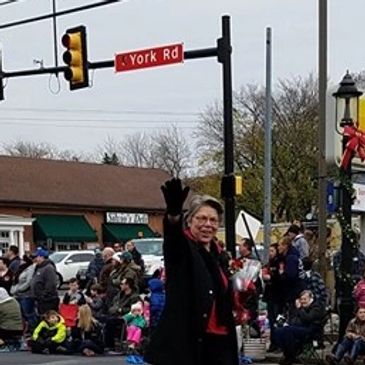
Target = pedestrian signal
(75,57)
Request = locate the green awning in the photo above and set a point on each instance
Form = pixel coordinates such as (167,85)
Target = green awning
(63,228)
(125,232)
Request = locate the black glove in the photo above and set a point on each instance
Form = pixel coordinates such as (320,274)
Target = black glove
(174,196)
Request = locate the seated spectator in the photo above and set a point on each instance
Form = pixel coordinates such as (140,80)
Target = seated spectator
(121,305)
(74,295)
(87,334)
(6,275)
(314,282)
(359,292)
(96,302)
(50,335)
(305,322)
(135,323)
(11,326)
(353,343)
(157,301)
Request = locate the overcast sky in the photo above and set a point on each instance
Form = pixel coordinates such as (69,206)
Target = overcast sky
(146,100)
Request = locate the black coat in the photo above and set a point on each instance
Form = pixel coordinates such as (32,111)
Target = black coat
(310,317)
(189,299)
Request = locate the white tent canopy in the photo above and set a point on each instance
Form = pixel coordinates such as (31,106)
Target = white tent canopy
(253,224)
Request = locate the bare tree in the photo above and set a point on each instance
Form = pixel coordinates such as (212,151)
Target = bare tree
(139,150)
(173,151)
(41,150)
(167,150)
(110,147)
(29,149)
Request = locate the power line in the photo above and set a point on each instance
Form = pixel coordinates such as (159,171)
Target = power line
(98,120)
(59,13)
(102,111)
(48,125)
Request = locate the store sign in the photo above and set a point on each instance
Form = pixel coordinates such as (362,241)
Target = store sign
(359,202)
(126,218)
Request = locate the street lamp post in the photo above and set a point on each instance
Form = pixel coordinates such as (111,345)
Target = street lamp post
(347,108)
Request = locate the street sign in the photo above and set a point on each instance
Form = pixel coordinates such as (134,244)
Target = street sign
(158,56)
(331,201)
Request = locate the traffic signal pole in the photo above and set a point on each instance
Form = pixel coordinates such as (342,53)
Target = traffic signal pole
(223,52)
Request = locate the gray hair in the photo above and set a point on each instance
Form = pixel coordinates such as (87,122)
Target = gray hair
(199,201)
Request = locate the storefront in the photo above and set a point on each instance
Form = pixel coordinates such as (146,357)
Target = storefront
(122,227)
(63,232)
(12,233)
(67,205)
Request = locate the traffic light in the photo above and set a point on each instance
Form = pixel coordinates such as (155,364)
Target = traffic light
(238,185)
(76,57)
(231,185)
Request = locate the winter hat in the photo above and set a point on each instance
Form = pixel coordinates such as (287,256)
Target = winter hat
(3,294)
(126,256)
(138,306)
(40,251)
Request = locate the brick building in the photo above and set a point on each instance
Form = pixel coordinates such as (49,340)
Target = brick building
(71,205)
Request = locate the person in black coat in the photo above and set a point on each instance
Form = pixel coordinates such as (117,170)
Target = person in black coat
(305,322)
(197,325)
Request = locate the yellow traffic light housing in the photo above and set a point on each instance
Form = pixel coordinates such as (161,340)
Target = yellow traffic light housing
(238,185)
(76,57)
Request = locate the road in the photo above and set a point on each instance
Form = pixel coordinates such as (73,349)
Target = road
(23,357)
(27,358)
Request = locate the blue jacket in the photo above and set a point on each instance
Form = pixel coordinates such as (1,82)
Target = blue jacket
(157,300)
(291,282)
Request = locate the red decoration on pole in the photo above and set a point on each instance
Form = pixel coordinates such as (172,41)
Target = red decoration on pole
(355,144)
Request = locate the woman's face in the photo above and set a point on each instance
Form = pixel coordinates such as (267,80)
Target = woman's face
(282,247)
(361,314)
(204,224)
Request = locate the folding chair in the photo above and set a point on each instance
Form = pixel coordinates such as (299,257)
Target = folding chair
(69,313)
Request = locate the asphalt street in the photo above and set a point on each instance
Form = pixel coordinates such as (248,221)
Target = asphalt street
(24,357)
(27,358)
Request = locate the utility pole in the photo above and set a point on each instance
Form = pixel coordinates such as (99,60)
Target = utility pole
(268,144)
(322,168)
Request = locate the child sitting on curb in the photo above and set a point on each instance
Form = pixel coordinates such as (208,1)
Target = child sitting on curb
(135,323)
(353,343)
(50,335)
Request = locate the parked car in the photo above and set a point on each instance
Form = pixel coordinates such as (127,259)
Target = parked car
(68,263)
(152,255)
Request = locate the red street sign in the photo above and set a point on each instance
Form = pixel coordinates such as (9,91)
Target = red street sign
(151,57)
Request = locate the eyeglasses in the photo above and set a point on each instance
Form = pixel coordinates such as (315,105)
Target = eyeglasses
(202,219)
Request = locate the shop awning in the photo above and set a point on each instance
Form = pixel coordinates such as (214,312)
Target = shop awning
(125,232)
(63,228)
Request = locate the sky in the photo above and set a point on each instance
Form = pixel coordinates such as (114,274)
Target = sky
(43,109)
